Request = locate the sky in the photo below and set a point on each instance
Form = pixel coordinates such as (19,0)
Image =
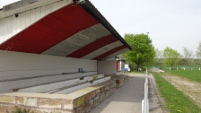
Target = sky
(170,23)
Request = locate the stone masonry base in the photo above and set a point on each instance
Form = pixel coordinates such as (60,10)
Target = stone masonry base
(81,101)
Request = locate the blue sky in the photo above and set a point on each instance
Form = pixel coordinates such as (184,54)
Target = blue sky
(172,23)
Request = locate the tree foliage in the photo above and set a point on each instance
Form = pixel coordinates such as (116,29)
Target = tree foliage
(20,110)
(172,57)
(188,56)
(198,53)
(158,56)
(142,49)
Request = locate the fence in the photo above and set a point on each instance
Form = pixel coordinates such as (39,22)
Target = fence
(181,68)
(145,101)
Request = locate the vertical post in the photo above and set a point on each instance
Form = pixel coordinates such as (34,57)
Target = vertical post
(145,101)
(120,67)
(147,48)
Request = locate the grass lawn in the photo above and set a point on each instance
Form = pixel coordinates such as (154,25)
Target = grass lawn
(190,74)
(136,72)
(176,101)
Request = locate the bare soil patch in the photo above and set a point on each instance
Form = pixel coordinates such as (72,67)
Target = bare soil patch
(190,88)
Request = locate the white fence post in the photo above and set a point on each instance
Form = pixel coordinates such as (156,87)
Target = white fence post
(145,101)
(183,68)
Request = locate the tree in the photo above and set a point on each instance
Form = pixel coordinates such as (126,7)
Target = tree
(158,57)
(198,53)
(142,49)
(188,56)
(172,57)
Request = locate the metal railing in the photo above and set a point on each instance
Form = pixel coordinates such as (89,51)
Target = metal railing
(145,101)
(181,68)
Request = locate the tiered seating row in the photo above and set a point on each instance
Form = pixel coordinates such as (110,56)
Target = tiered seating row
(9,84)
(81,101)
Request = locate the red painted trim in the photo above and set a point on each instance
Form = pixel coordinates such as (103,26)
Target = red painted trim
(50,30)
(109,53)
(93,46)
(117,65)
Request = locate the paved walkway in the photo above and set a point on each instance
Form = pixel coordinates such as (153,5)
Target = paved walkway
(126,99)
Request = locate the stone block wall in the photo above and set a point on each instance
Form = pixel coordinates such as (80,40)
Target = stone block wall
(81,101)
(120,80)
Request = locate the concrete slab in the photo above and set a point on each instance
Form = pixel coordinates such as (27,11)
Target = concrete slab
(81,86)
(53,86)
(30,82)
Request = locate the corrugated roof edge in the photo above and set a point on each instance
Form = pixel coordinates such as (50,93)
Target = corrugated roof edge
(89,7)
(18,4)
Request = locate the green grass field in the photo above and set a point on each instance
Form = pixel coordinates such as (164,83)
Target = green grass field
(137,72)
(176,101)
(194,75)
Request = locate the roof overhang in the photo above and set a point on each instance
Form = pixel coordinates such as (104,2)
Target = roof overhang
(75,30)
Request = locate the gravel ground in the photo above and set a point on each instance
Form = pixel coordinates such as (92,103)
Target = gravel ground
(190,88)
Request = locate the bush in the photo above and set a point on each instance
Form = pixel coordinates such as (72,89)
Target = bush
(19,110)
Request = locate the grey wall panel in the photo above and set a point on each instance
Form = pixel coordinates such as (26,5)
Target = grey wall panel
(16,65)
(107,67)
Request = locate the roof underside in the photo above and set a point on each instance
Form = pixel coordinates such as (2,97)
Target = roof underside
(78,31)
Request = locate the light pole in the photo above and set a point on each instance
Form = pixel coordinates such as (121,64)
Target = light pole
(147,48)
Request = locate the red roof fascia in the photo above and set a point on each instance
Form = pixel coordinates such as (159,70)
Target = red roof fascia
(48,31)
(93,46)
(109,52)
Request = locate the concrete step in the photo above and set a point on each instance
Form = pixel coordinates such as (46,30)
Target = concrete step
(16,84)
(56,85)
(80,101)
(81,86)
